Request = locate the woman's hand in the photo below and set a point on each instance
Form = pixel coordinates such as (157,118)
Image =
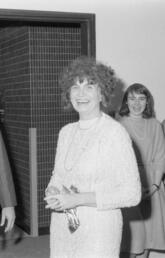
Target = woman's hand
(61,202)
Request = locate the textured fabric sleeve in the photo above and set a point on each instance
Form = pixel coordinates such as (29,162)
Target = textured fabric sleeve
(118,183)
(7,191)
(56,177)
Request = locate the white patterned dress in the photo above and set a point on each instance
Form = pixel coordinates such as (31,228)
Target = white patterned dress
(94,157)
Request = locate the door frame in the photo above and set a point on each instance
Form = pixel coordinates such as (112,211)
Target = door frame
(86,21)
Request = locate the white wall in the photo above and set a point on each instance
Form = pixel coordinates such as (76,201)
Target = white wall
(130,36)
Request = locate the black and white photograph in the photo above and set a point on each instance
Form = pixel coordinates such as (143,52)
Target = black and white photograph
(82,129)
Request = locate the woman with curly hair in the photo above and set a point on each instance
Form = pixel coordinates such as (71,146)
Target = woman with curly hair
(95,172)
(144,225)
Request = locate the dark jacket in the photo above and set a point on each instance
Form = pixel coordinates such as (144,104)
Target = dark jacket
(7,191)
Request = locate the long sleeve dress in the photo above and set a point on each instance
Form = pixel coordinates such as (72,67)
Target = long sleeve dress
(149,146)
(100,159)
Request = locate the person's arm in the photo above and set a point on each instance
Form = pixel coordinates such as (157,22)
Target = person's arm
(158,160)
(60,202)
(56,179)
(163,126)
(159,154)
(8,217)
(68,198)
(118,184)
(7,191)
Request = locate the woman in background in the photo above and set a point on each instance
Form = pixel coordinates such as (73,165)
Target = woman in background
(144,224)
(95,173)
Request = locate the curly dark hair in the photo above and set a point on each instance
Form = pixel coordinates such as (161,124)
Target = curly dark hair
(90,69)
(139,89)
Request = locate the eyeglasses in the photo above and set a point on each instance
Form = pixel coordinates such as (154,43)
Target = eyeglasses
(141,99)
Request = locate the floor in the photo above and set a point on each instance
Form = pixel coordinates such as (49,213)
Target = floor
(157,255)
(17,244)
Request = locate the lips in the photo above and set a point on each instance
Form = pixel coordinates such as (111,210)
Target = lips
(137,109)
(82,101)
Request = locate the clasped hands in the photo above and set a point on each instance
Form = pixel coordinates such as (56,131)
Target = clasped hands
(59,201)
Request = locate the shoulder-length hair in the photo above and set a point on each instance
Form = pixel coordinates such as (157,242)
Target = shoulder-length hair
(87,68)
(139,89)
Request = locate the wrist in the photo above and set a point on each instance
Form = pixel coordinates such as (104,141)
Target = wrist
(85,199)
(156,186)
(77,199)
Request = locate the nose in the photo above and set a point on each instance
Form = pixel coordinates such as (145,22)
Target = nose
(137,101)
(81,91)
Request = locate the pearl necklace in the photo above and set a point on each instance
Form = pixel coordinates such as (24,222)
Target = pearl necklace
(88,124)
(81,139)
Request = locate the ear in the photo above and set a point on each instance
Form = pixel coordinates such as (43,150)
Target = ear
(103,102)
(100,95)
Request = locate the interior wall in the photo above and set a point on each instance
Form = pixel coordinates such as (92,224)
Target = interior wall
(129,36)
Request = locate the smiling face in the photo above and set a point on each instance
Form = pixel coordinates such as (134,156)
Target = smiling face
(85,97)
(136,104)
